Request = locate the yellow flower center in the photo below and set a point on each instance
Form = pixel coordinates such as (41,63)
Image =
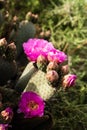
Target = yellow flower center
(33,105)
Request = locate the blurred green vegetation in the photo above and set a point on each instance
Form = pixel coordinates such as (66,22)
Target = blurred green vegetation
(67,22)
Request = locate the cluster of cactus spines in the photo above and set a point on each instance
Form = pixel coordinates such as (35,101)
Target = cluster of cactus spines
(8,67)
(25,31)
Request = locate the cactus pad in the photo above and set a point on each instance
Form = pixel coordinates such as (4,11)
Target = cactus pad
(26,75)
(39,84)
(7,70)
(25,31)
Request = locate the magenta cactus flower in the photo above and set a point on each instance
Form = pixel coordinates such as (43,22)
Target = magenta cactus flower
(7,114)
(69,80)
(35,47)
(31,104)
(57,56)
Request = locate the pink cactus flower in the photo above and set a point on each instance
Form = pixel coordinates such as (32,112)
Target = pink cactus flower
(31,104)
(57,56)
(35,47)
(69,80)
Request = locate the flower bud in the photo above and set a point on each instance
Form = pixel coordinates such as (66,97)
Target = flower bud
(15,18)
(3,126)
(41,59)
(41,62)
(3,44)
(36,16)
(47,33)
(52,76)
(65,69)
(52,66)
(69,80)
(7,114)
(42,34)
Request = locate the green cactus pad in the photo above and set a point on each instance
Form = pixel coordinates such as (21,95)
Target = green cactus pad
(39,84)
(25,31)
(7,70)
(26,75)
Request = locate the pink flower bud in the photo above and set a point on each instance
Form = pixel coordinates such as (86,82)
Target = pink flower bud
(52,66)
(69,80)
(12,46)
(41,59)
(65,69)
(15,18)
(3,46)
(7,114)
(47,33)
(3,126)
(52,76)
(42,34)
(3,42)
(36,16)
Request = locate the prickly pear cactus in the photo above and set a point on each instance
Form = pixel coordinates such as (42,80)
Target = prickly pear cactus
(8,67)
(50,71)
(25,31)
(35,80)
